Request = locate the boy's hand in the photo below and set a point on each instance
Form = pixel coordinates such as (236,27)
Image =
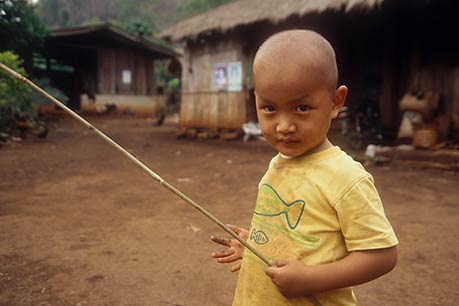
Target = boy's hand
(235,249)
(292,277)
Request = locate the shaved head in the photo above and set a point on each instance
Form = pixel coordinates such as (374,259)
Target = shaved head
(293,54)
(296,94)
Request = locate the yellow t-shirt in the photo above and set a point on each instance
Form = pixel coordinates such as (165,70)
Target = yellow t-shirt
(315,208)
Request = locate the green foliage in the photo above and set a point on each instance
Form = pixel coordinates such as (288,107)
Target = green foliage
(21,30)
(44,84)
(194,7)
(50,11)
(173,84)
(92,21)
(54,13)
(135,15)
(139,27)
(161,75)
(15,99)
(157,14)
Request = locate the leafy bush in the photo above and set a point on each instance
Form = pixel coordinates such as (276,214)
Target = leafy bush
(173,84)
(15,99)
(138,26)
(21,30)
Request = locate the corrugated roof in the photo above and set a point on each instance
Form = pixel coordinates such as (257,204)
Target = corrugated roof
(245,12)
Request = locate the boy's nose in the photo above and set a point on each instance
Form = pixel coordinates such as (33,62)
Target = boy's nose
(285,126)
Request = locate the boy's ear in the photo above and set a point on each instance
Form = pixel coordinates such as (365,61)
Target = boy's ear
(339,100)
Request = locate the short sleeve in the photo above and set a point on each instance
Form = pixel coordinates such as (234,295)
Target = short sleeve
(362,219)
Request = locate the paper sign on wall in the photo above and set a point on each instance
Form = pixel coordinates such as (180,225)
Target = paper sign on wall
(126,76)
(227,76)
(220,77)
(234,76)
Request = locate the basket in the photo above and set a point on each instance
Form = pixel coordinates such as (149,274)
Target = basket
(424,104)
(425,138)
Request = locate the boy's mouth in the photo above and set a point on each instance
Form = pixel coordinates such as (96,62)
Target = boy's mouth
(287,141)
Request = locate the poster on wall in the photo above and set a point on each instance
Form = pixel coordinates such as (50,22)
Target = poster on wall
(220,76)
(234,76)
(126,76)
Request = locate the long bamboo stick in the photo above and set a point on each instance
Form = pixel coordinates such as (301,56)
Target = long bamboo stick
(144,167)
(153,174)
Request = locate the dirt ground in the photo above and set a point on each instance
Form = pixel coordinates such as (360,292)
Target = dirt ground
(82,225)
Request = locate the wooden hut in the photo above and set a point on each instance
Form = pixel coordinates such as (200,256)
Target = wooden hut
(103,66)
(385,50)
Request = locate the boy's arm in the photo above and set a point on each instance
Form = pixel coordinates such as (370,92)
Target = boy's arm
(293,278)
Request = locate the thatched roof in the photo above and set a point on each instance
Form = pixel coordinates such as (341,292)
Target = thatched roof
(246,12)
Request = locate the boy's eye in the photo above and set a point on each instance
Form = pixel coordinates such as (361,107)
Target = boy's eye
(302,108)
(268,108)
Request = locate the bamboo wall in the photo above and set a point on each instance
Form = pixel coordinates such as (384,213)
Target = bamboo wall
(203,105)
(112,62)
(212,110)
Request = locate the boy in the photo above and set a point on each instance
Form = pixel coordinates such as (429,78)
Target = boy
(318,214)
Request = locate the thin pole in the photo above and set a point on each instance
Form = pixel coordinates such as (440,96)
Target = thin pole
(153,174)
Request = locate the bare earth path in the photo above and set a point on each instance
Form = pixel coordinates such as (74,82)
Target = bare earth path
(81,225)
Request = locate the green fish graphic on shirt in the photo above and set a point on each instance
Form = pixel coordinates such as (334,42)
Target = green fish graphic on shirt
(270,204)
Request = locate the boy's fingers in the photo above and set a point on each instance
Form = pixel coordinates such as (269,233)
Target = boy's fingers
(235,228)
(222,241)
(230,258)
(236,267)
(280,262)
(238,230)
(271,272)
(223,253)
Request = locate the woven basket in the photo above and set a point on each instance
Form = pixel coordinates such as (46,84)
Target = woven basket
(423,105)
(425,138)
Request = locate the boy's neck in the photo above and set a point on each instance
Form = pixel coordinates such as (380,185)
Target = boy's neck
(326,144)
(285,156)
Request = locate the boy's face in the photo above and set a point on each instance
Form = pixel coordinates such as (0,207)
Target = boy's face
(295,111)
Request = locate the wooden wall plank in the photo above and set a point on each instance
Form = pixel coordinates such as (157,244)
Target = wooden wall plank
(213,110)
(112,62)
(203,104)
